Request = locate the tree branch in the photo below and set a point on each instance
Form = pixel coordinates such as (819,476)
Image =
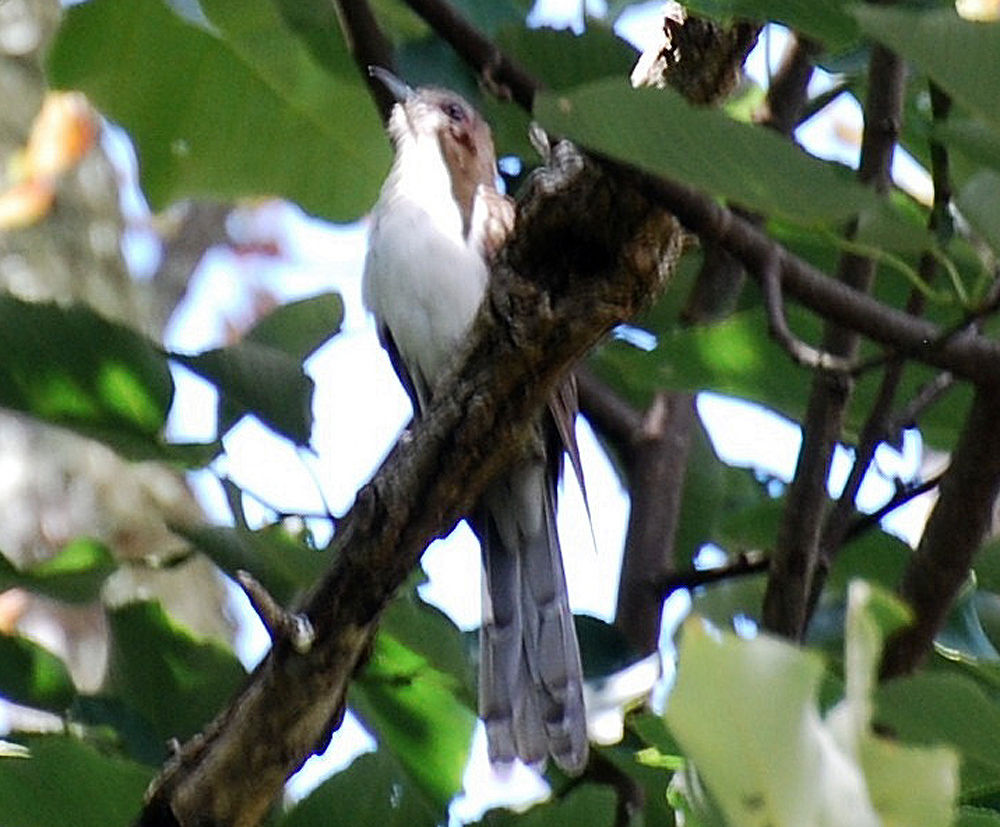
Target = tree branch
(497,69)
(550,299)
(369,46)
(796,552)
(955,530)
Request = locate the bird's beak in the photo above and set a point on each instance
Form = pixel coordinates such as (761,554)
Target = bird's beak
(400,90)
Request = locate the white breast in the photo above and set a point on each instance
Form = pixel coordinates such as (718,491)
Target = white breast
(422,279)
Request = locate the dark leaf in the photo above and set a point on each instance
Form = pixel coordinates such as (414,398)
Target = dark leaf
(67,781)
(33,676)
(74,575)
(153,659)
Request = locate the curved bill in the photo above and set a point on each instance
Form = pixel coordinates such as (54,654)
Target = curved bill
(399,89)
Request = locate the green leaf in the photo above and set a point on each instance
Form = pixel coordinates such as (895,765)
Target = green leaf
(259,380)
(979,202)
(431,634)
(67,781)
(961,56)
(152,659)
(244,110)
(283,563)
(33,676)
(823,20)
(946,709)
(562,59)
(588,804)
(378,792)
(128,730)
(298,328)
(71,367)
(704,148)
(416,716)
(74,575)
(977,817)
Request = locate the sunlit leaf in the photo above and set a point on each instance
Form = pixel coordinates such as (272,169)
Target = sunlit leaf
(243,110)
(153,659)
(704,148)
(415,715)
(33,676)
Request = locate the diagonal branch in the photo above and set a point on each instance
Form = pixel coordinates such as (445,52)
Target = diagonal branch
(549,301)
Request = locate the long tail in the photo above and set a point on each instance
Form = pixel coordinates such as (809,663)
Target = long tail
(530,680)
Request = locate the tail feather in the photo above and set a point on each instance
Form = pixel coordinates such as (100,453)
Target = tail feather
(531,695)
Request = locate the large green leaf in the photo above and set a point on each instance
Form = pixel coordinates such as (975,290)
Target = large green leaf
(283,563)
(71,367)
(823,20)
(657,130)
(589,805)
(979,202)
(298,328)
(74,575)
(960,56)
(33,676)
(67,781)
(949,709)
(259,380)
(242,110)
(378,793)
(163,672)
(414,712)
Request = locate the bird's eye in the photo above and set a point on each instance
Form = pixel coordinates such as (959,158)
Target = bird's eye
(454,111)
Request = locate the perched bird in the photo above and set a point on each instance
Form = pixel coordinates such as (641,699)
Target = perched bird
(438,221)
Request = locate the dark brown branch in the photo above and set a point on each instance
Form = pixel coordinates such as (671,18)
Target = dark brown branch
(546,306)
(478,51)
(796,552)
(904,495)
(281,625)
(657,465)
(742,566)
(369,47)
(955,530)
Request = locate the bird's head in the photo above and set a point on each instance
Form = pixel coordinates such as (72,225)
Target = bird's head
(463,136)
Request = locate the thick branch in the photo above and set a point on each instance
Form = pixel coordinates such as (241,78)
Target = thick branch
(956,528)
(561,283)
(656,466)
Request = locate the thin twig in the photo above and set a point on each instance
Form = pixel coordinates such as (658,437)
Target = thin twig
(904,495)
(742,566)
(281,624)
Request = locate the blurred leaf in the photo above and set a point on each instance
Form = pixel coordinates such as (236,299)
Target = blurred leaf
(727,599)
(977,817)
(490,15)
(945,709)
(979,202)
(376,793)
(259,380)
(824,20)
(31,675)
(67,781)
(974,139)
(764,692)
(562,59)
(298,328)
(74,575)
(431,634)
(962,636)
(588,805)
(316,22)
(961,56)
(151,659)
(874,556)
(705,149)
(129,731)
(283,563)
(71,367)
(416,716)
(241,111)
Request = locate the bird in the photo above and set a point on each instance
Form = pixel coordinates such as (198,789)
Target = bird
(438,222)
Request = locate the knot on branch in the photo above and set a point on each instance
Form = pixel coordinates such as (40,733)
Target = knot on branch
(581,222)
